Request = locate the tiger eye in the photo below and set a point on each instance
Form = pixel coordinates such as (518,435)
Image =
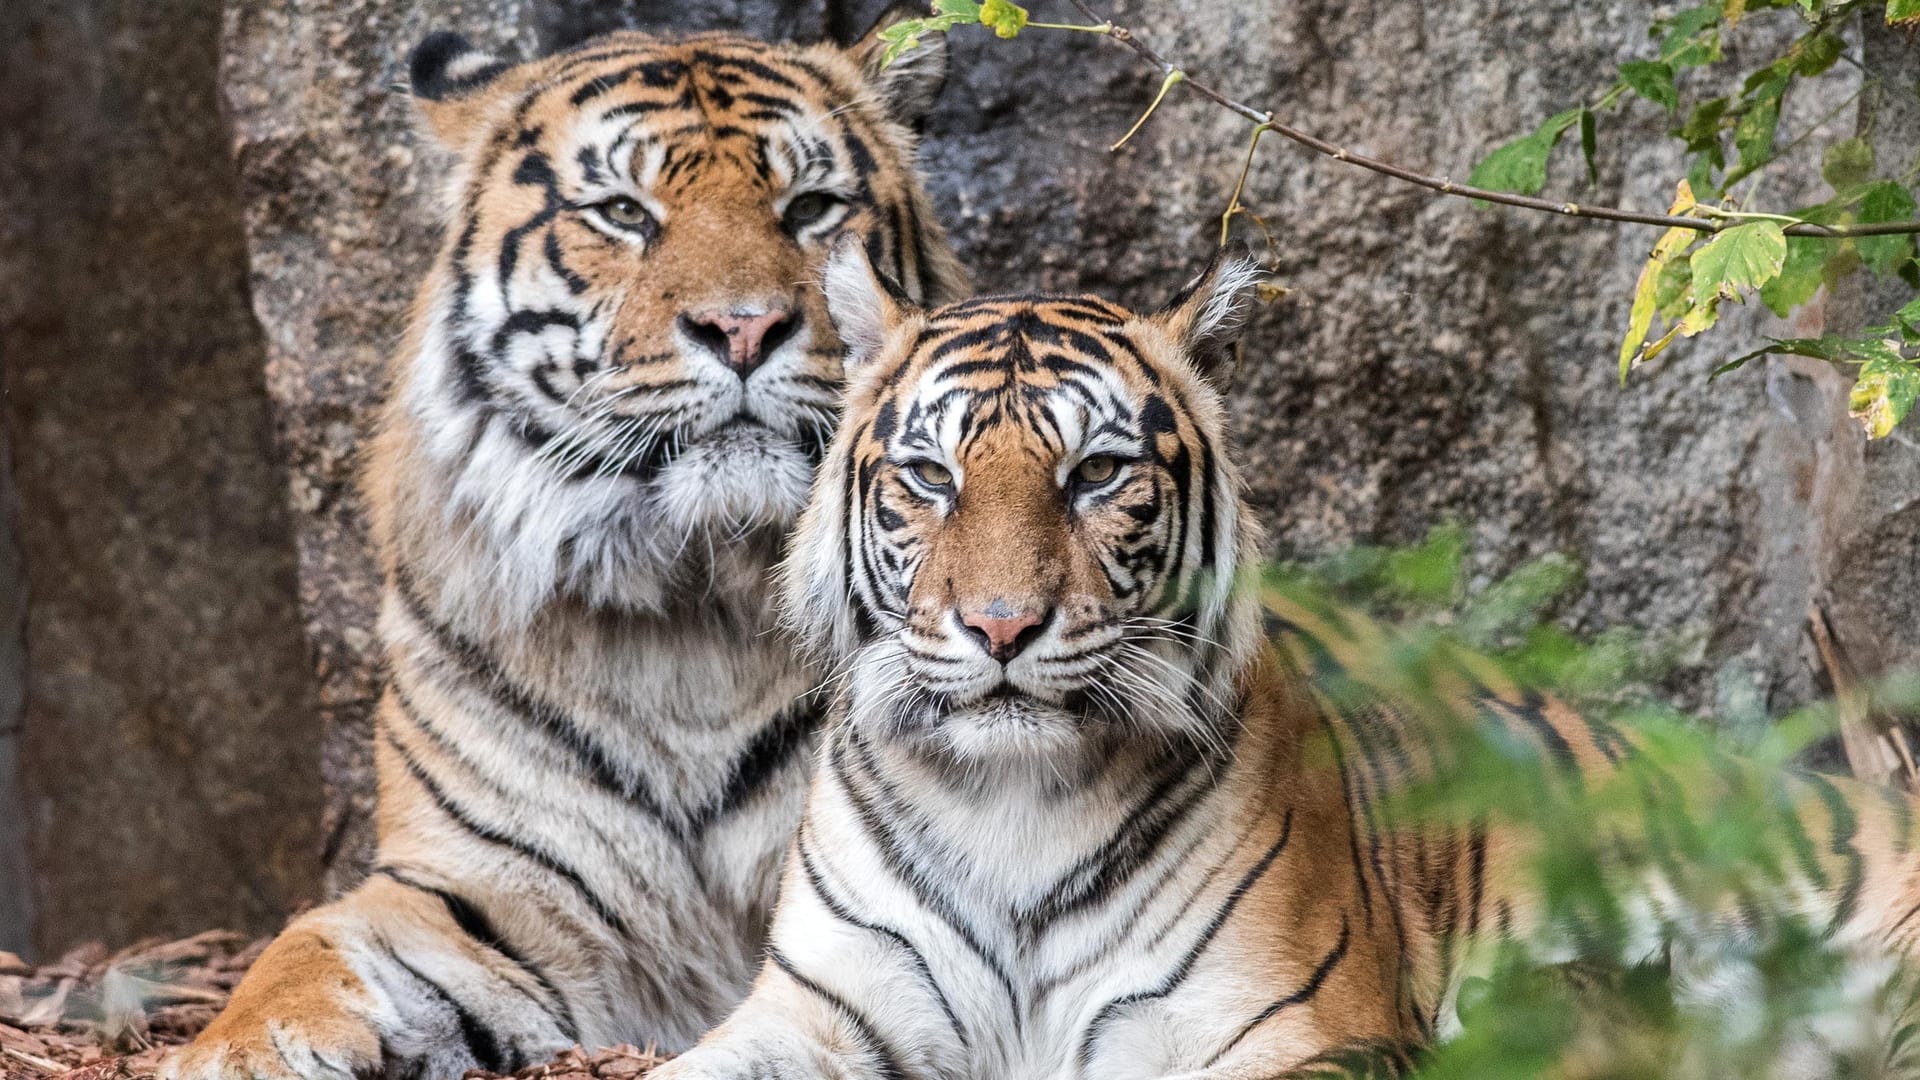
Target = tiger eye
(808,208)
(1096,470)
(931,473)
(624,211)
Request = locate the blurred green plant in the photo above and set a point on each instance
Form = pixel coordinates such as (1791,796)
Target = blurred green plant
(1675,937)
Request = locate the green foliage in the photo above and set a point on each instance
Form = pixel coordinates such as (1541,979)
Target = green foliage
(1638,869)
(1521,165)
(1731,133)
(947,14)
(1887,382)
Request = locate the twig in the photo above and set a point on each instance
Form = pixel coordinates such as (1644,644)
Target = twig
(1173,78)
(49,1067)
(1444,186)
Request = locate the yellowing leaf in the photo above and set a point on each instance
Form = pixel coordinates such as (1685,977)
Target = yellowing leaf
(1683,200)
(1903,12)
(1743,257)
(1701,317)
(1005,17)
(1884,393)
(1646,291)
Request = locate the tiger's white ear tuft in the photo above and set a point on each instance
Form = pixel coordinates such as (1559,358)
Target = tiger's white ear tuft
(1207,315)
(865,304)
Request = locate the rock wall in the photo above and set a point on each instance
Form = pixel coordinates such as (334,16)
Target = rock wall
(1434,361)
(167,752)
(16,897)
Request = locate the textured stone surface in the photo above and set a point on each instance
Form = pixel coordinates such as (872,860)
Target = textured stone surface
(1434,362)
(16,898)
(169,747)
(1873,566)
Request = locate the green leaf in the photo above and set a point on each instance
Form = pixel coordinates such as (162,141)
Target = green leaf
(1743,257)
(1590,143)
(1799,276)
(1521,165)
(1884,393)
(1006,18)
(1753,133)
(1816,53)
(1673,292)
(1843,263)
(1903,12)
(1692,37)
(905,35)
(1654,81)
(1847,163)
(1704,124)
(1909,313)
(1888,200)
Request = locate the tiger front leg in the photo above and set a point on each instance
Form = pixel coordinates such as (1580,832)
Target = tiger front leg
(382,979)
(787,1030)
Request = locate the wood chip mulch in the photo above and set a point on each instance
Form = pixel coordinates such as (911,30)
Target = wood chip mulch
(100,1015)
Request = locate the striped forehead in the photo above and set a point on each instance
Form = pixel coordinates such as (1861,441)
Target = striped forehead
(659,113)
(1062,369)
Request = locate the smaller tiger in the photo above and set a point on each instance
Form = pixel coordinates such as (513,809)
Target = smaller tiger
(1075,815)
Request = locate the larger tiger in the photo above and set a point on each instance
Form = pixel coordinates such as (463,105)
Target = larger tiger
(619,377)
(1074,817)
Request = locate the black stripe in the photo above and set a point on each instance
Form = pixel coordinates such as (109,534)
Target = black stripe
(765,757)
(509,696)
(1844,827)
(481,1044)
(474,923)
(889,1064)
(845,914)
(1178,975)
(459,815)
(1130,846)
(888,843)
(1306,992)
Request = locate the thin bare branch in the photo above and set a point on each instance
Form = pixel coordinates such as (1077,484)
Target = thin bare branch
(1444,186)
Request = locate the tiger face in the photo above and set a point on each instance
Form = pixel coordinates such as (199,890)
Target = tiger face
(627,294)
(1026,532)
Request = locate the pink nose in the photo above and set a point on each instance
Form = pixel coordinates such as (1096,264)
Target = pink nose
(740,338)
(1004,635)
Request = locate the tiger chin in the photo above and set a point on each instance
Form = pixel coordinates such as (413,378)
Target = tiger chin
(1075,817)
(618,379)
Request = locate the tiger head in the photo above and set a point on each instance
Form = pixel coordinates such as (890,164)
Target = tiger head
(1026,534)
(623,357)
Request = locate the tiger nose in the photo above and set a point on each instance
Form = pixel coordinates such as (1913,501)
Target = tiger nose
(1002,630)
(740,337)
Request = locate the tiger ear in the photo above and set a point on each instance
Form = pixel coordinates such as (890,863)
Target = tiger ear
(865,304)
(911,83)
(1207,315)
(453,84)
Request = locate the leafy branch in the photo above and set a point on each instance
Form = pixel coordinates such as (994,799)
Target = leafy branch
(1713,252)
(1008,19)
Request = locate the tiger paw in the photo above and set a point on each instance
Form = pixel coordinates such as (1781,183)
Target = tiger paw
(280,1048)
(301,1012)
